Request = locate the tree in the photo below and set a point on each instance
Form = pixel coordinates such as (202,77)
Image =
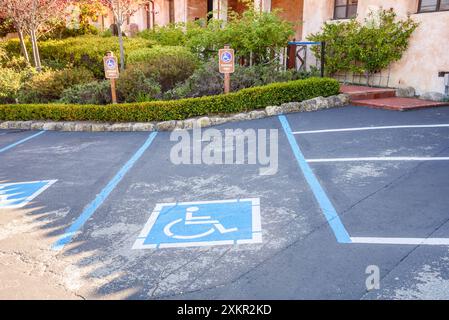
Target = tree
(122,10)
(16,11)
(38,14)
(31,16)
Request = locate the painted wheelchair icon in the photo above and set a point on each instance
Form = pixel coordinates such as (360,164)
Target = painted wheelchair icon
(191,220)
(202,223)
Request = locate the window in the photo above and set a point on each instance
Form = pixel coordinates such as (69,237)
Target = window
(346,9)
(433,5)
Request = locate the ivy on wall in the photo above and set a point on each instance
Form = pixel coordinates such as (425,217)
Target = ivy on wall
(368,47)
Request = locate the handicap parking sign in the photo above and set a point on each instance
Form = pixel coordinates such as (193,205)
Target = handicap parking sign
(202,223)
(17,195)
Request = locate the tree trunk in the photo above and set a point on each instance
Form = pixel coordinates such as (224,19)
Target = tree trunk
(23,47)
(36,54)
(122,49)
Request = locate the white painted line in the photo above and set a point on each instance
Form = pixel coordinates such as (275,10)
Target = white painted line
(374,128)
(379,159)
(140,244)
(257,238)
(257,223)
(196,244)
(149,225)
(207,202)
(405,241)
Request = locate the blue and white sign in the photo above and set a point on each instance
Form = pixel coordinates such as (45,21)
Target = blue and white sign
(17,195)
(110,62)
(202,223)
(226,57)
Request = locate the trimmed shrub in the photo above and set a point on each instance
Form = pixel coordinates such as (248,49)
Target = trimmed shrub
(134,86)
(10,81)
(85,51)
(169,35)
(97,92)
(207,80)
(244,100)
(48,86)
(168,65)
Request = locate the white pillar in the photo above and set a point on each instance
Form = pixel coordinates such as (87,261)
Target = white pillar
(262,5)
(221,9)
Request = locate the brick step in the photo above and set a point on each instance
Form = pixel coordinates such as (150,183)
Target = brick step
(398,104)
(373,95)
(367,93)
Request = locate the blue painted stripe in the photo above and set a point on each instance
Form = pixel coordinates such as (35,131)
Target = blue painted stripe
(102,196)
(304,43)
(21,141)
(328,209)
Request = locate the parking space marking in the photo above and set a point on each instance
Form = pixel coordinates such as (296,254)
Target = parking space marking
(403,241)
(378,159)
(374,128)
(326,205)
(21,141)
(102,196)
(202,223)
(19,194)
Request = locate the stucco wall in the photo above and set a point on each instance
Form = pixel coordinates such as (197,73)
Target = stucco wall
(429,45)
(196,9)
(292,10)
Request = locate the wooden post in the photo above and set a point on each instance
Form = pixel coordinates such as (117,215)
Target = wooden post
(227,78)
(227,82)
(113,92)
(111,73)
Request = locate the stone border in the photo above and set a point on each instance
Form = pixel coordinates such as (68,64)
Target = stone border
(199,122)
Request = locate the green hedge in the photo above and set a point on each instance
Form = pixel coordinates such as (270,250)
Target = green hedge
(84,51)
(244,100)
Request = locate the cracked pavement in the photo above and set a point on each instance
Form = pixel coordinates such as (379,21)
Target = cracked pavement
(299,257)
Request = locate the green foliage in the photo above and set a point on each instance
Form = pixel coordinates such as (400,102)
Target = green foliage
(253,33)
(169,35)
(365,48)
(168,65)
(6,26)
(84,51)
(3,56)
(9,85)
(48,86)
(207,80)
(134,86)
(97,92)
(244,100)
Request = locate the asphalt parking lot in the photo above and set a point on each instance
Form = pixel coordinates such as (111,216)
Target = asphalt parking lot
(100,214)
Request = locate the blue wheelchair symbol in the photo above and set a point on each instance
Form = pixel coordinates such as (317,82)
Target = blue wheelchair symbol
(226,57)
(204,223)
(17,195)
(110,63)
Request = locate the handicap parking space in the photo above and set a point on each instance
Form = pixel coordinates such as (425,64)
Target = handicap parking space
(131,223)
(365,170)
(139,232)
(58,172)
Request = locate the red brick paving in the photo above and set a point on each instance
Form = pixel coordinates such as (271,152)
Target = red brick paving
(400,104)
(384,98)
(362,93)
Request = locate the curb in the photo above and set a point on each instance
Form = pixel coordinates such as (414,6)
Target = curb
(314,104)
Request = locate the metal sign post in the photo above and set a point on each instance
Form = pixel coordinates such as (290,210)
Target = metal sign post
(111,72)
(226,66)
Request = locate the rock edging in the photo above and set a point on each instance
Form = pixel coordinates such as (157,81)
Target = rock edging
(199,122)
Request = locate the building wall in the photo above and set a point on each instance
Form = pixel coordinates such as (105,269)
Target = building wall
(291,10)
(429,45)
(196,9)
